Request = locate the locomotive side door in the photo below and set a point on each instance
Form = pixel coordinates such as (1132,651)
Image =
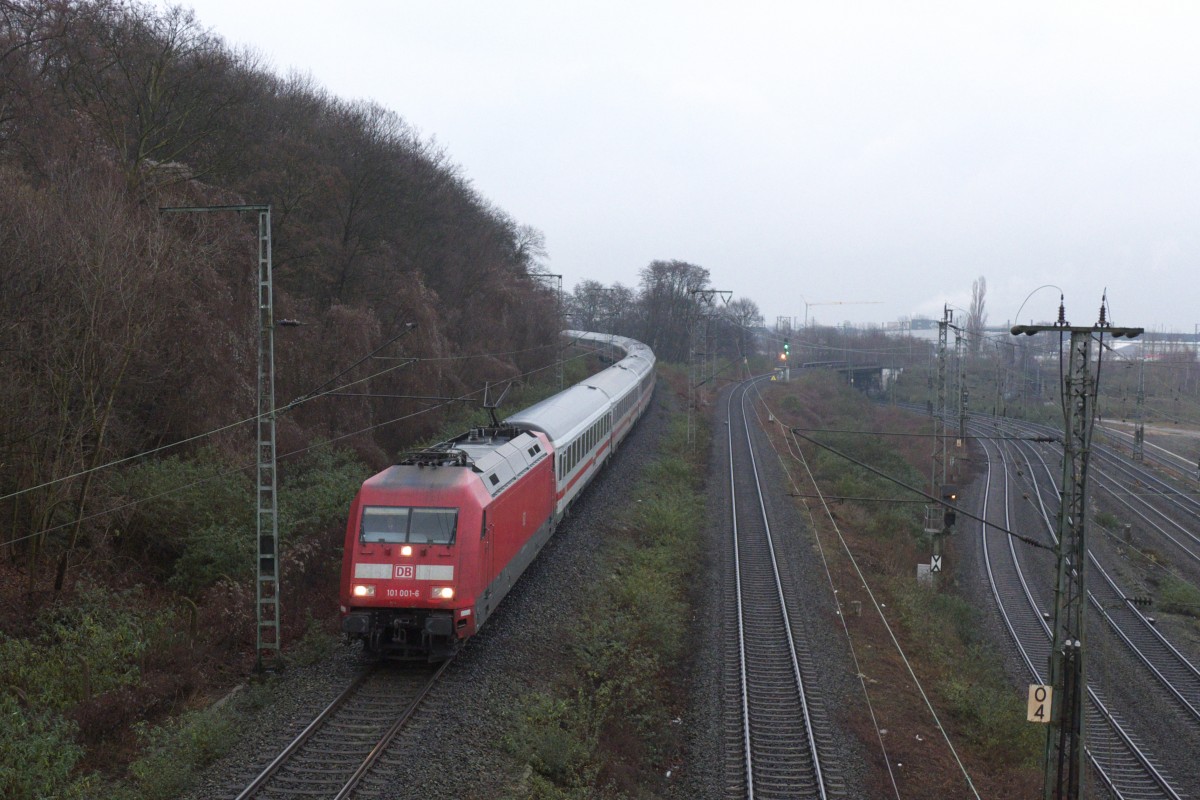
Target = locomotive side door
(486,564)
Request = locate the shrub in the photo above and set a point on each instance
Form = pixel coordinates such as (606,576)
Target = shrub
(317,490)
(91,651)
(993,714)
(550,735)
(90,648)
(791,403)
(314,646)
(198,524)
(175,751)
(38,754)
(892,522)
(211,553)
(197,519)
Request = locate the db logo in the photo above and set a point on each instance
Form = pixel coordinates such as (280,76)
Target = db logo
(404,571)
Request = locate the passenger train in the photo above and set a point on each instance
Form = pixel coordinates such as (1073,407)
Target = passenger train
(434,543)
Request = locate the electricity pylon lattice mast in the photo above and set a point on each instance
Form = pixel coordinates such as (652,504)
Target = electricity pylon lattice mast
(937,476)
(555,280)
(1139,430)
(266,565)
(1066,737)
(267,583)
(702,299)
(960,349)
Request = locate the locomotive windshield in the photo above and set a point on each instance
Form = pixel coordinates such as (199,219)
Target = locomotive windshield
(396,525)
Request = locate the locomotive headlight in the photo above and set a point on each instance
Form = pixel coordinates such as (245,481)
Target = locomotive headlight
(406,550)
(443,593)
(364,590)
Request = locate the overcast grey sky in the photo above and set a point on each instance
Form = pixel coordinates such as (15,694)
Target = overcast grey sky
(804,152)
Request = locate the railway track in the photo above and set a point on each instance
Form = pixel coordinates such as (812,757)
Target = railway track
(779,746)
(331,757)
(1168,460)
(1122,764)
(1171,669)
(1170,511)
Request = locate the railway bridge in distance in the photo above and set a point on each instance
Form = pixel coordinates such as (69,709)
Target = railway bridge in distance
(866,377)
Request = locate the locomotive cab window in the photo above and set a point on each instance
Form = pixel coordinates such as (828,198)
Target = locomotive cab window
(393,525)
(432,525)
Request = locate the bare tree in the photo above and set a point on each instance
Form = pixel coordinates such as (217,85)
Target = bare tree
(587,305)
(977,314)
(156,87)
(669,305)
(741,316)
(622,308)
(91,293)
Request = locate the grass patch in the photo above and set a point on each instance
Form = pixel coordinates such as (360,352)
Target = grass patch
(970,684)
(607,732)
(1176,596)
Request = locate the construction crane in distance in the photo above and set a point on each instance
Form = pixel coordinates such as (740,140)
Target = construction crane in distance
(835,303)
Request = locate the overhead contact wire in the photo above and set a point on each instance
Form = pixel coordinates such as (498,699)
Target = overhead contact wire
(241,468)
(293,404)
